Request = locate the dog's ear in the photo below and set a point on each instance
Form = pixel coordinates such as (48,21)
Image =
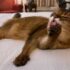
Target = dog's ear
(17,15)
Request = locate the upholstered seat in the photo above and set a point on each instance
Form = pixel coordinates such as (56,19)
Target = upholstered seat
(15,8)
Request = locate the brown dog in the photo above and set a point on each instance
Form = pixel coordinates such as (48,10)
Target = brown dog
(52,37)
(38,32)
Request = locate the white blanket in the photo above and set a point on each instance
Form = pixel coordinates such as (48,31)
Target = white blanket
(40,60)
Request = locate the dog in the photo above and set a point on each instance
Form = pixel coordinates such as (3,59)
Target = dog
(39,32)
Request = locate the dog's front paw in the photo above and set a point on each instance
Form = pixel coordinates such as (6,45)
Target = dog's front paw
(54,27)
(21,60)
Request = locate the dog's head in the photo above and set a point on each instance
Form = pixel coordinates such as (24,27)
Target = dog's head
(62,9)
(64,5)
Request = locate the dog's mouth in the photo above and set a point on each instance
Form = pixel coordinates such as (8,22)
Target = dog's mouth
(64,5)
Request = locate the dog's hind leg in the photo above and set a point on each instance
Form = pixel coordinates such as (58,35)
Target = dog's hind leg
(12,32)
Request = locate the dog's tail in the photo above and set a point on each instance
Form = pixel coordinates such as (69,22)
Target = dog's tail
(17,15)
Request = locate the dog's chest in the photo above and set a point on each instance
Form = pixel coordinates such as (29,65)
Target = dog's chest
(65,34)
(43,41)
